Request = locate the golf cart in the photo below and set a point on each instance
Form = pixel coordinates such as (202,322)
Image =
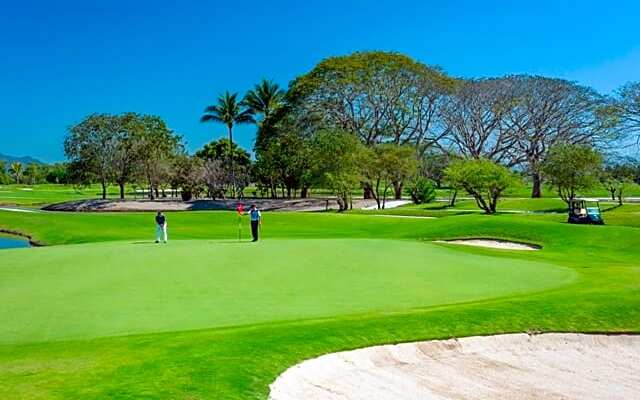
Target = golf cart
(585,211)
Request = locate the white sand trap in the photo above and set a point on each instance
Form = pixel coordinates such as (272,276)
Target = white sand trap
(492,244)
(388,204)
(515,366)
(17,210)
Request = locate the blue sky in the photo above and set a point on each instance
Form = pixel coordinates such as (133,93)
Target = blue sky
(63,60)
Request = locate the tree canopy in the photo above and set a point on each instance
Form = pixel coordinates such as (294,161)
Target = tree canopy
(571,168)
(483,179)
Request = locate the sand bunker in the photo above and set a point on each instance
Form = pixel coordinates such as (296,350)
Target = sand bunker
(493,244)
(515,366)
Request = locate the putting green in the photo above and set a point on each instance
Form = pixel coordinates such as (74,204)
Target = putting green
(117,288)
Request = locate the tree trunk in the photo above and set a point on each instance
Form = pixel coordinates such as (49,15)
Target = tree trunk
(613,194)
(121,184)
(304,192)
(232,163)
(493,202)
(452,198)
(376,194)
(150,188)
(536,190)
(104,190)
(368,192)
(397,190)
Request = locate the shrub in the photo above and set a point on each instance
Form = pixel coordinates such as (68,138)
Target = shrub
(483,179)
(421,190)
(572,168)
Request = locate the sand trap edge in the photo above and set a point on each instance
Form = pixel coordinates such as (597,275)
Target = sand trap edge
(571,366)
(493,244)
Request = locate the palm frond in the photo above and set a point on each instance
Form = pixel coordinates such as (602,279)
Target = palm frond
(212,109)
(210,118)
(265,98)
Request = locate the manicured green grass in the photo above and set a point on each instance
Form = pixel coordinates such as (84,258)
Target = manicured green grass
(38,195)
(123,288)
(239,361)
(510,205)
(43,194)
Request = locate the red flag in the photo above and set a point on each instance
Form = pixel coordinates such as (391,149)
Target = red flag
(240,209)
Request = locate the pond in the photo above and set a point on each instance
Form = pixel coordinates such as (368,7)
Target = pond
(12,242)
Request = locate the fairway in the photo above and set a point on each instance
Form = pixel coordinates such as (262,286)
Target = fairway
(106,289)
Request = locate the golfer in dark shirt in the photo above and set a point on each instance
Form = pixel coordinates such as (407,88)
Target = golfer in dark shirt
(256,221)
(161,227)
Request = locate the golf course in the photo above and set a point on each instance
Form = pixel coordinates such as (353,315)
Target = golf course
(320,200)
(101,311)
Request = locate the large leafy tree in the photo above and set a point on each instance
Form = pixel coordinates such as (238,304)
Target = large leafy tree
(475,119)
(219,150)
(388,164)
(285,162)
(377,96)
(188,174)
(572,168)
(91,147)
(629,108)
(230,112)
(58,173)
(546,112)
(33,174)
(157,146)
(483,179)
(127,154)
(338,162)
(217,169)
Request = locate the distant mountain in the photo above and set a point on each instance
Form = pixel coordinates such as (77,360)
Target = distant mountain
(26,160)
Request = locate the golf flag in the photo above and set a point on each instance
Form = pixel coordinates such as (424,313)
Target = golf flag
(240,210)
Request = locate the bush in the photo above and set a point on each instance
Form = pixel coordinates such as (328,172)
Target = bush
(422,190)
(572,168)
(483,179)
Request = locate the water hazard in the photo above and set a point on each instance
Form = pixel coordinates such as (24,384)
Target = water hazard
(13,242)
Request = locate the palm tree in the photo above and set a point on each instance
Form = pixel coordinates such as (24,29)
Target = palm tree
(267,99)
(229,111)
(16,171)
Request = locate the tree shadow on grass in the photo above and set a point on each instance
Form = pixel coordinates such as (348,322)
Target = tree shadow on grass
(611,208)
